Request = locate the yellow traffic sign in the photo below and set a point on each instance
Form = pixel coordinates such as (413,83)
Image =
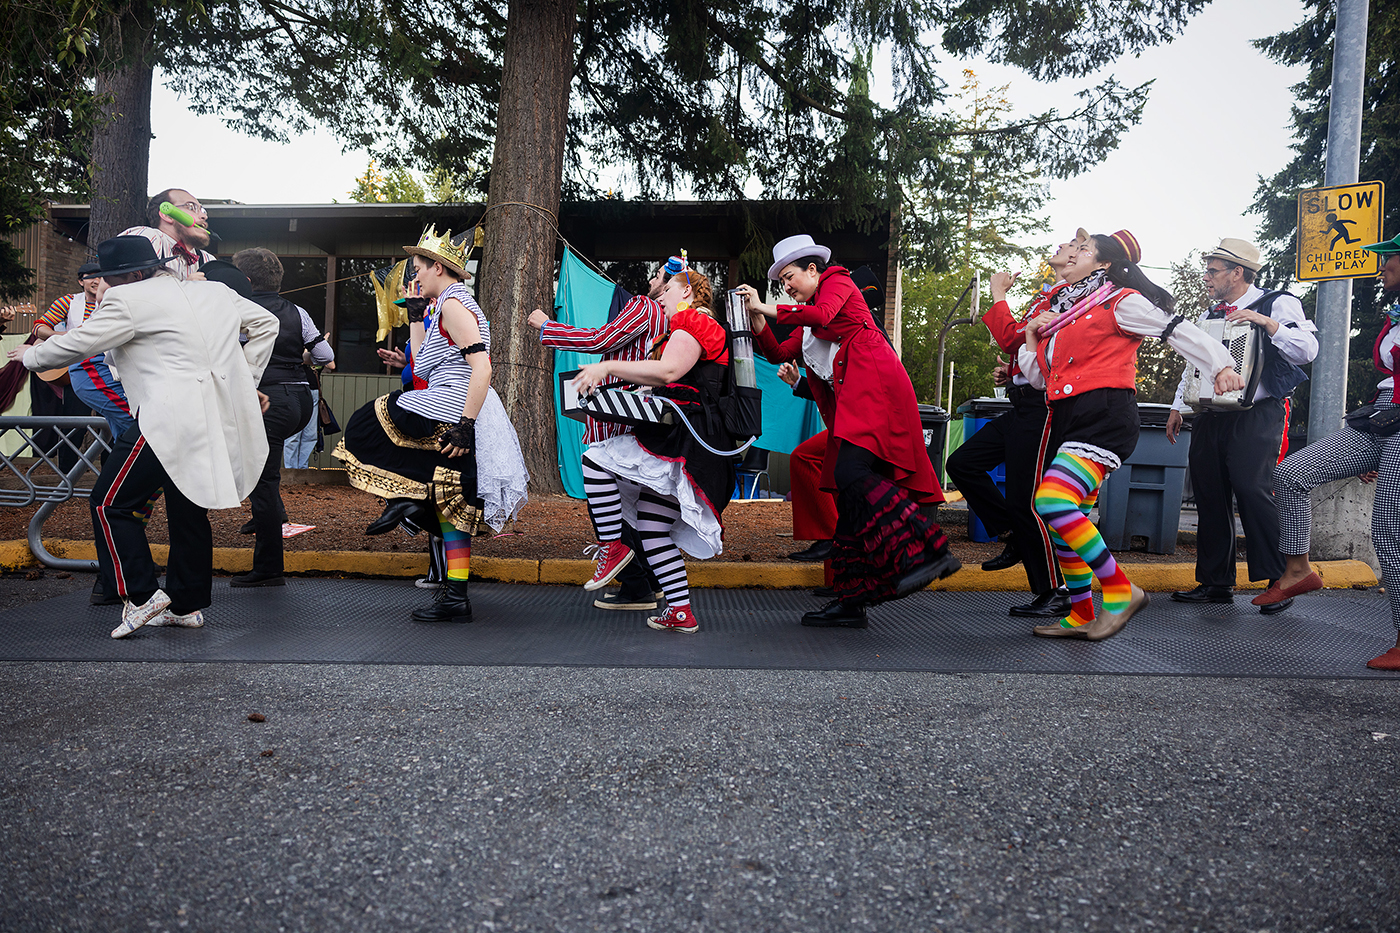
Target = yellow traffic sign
(1333,224)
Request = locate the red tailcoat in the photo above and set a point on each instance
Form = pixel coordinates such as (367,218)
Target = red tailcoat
(872,402)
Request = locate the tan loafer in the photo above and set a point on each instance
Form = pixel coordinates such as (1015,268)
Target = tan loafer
(1107,624)
(1055,630)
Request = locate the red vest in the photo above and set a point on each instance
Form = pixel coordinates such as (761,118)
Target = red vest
(1091,353)
(1390,366)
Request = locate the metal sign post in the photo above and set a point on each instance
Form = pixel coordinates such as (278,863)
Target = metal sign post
(1329,370)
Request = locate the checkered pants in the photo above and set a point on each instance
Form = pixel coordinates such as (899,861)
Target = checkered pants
(1341,455)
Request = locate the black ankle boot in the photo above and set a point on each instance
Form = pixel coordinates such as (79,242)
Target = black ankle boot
(410,512)
(450,605)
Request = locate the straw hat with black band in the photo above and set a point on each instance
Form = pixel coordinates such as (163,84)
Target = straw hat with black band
(1240,252)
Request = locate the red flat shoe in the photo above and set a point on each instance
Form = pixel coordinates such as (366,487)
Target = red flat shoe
(1390,661)
(1275,595)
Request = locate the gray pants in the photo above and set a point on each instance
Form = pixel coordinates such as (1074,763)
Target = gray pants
(1341,455)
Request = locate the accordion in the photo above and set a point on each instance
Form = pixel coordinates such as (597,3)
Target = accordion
(1245,342)
(613,403)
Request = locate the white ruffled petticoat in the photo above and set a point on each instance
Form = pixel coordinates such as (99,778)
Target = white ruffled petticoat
(501,476)
(698,531)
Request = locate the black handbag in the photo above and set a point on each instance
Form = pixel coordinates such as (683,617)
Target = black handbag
(1371,419)
(326,417)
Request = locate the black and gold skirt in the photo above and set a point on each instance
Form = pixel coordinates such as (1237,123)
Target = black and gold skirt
(392,452)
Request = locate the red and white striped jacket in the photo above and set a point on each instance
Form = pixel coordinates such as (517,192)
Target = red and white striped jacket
(629,336)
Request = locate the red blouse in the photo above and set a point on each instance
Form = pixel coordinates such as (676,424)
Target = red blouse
(706,331)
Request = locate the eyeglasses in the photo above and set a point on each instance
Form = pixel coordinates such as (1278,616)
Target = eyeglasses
(1211,273)
(194,207)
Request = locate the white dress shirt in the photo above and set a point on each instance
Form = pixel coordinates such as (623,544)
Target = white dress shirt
(1295,339)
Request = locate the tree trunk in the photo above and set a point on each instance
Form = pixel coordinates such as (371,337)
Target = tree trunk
(121,144)
(517,265)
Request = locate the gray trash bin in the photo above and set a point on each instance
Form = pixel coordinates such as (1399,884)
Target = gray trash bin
(1143,498)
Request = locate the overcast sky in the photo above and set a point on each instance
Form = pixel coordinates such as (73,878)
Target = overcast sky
(1217,119)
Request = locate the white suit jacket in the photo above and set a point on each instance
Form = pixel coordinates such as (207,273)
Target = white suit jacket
(192,386)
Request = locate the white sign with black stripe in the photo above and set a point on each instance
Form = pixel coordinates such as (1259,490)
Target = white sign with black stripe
(612,404)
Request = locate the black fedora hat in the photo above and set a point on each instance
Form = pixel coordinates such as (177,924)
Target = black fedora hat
(122,254)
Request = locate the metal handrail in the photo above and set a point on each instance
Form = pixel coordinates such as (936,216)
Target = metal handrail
(974,288)
(64,486)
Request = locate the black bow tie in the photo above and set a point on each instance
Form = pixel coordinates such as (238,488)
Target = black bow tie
(1221,310)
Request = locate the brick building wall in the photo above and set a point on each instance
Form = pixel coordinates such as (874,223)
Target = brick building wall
(894,291)
(55,260)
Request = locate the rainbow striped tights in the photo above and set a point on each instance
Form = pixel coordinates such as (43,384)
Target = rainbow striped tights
(1063,500)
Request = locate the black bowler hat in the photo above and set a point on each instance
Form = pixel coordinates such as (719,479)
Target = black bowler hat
(217,270)
(122,254)
(865,280)
(89,270)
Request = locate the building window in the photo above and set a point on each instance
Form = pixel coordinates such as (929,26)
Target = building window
(357,316)
(304,285)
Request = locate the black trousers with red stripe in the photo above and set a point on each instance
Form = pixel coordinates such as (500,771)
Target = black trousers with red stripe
(1016,439)
(131,474)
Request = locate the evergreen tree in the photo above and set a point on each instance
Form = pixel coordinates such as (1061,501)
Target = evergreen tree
(47,112)
(1276,199)
(714,99)
(397,186)
(989,205)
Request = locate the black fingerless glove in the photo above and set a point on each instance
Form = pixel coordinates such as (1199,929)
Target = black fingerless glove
(461,434)
(415,308)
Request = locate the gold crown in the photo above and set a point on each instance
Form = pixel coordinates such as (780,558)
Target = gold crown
(444,248)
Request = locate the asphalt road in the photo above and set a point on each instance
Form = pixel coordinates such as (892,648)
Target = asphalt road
(141,797)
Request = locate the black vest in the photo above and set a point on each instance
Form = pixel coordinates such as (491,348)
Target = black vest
(1279,377)
(285,365)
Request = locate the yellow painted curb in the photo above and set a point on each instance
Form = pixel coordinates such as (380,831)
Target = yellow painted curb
(506,569)
(1155,578)
(1337,574)
(14,555)
(754,574)
(566,571)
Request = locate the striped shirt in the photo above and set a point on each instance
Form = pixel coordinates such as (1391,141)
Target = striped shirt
(629,336)
(58,315)
(441,375)
(183,260)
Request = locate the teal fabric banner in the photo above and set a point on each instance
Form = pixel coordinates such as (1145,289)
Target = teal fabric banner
(787,419)
(582,300)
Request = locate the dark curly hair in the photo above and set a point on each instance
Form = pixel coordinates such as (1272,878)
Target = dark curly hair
(1126,273)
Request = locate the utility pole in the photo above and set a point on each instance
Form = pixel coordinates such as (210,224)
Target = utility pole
(1329,370)
(1342,515)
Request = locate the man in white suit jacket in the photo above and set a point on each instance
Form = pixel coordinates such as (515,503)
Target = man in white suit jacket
(198,432)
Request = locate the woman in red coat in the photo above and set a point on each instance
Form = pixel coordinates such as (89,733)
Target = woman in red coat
(876,462)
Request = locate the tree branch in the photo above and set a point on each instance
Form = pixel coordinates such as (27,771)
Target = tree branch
(733,41)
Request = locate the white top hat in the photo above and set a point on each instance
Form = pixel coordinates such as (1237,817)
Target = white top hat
(795,247)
